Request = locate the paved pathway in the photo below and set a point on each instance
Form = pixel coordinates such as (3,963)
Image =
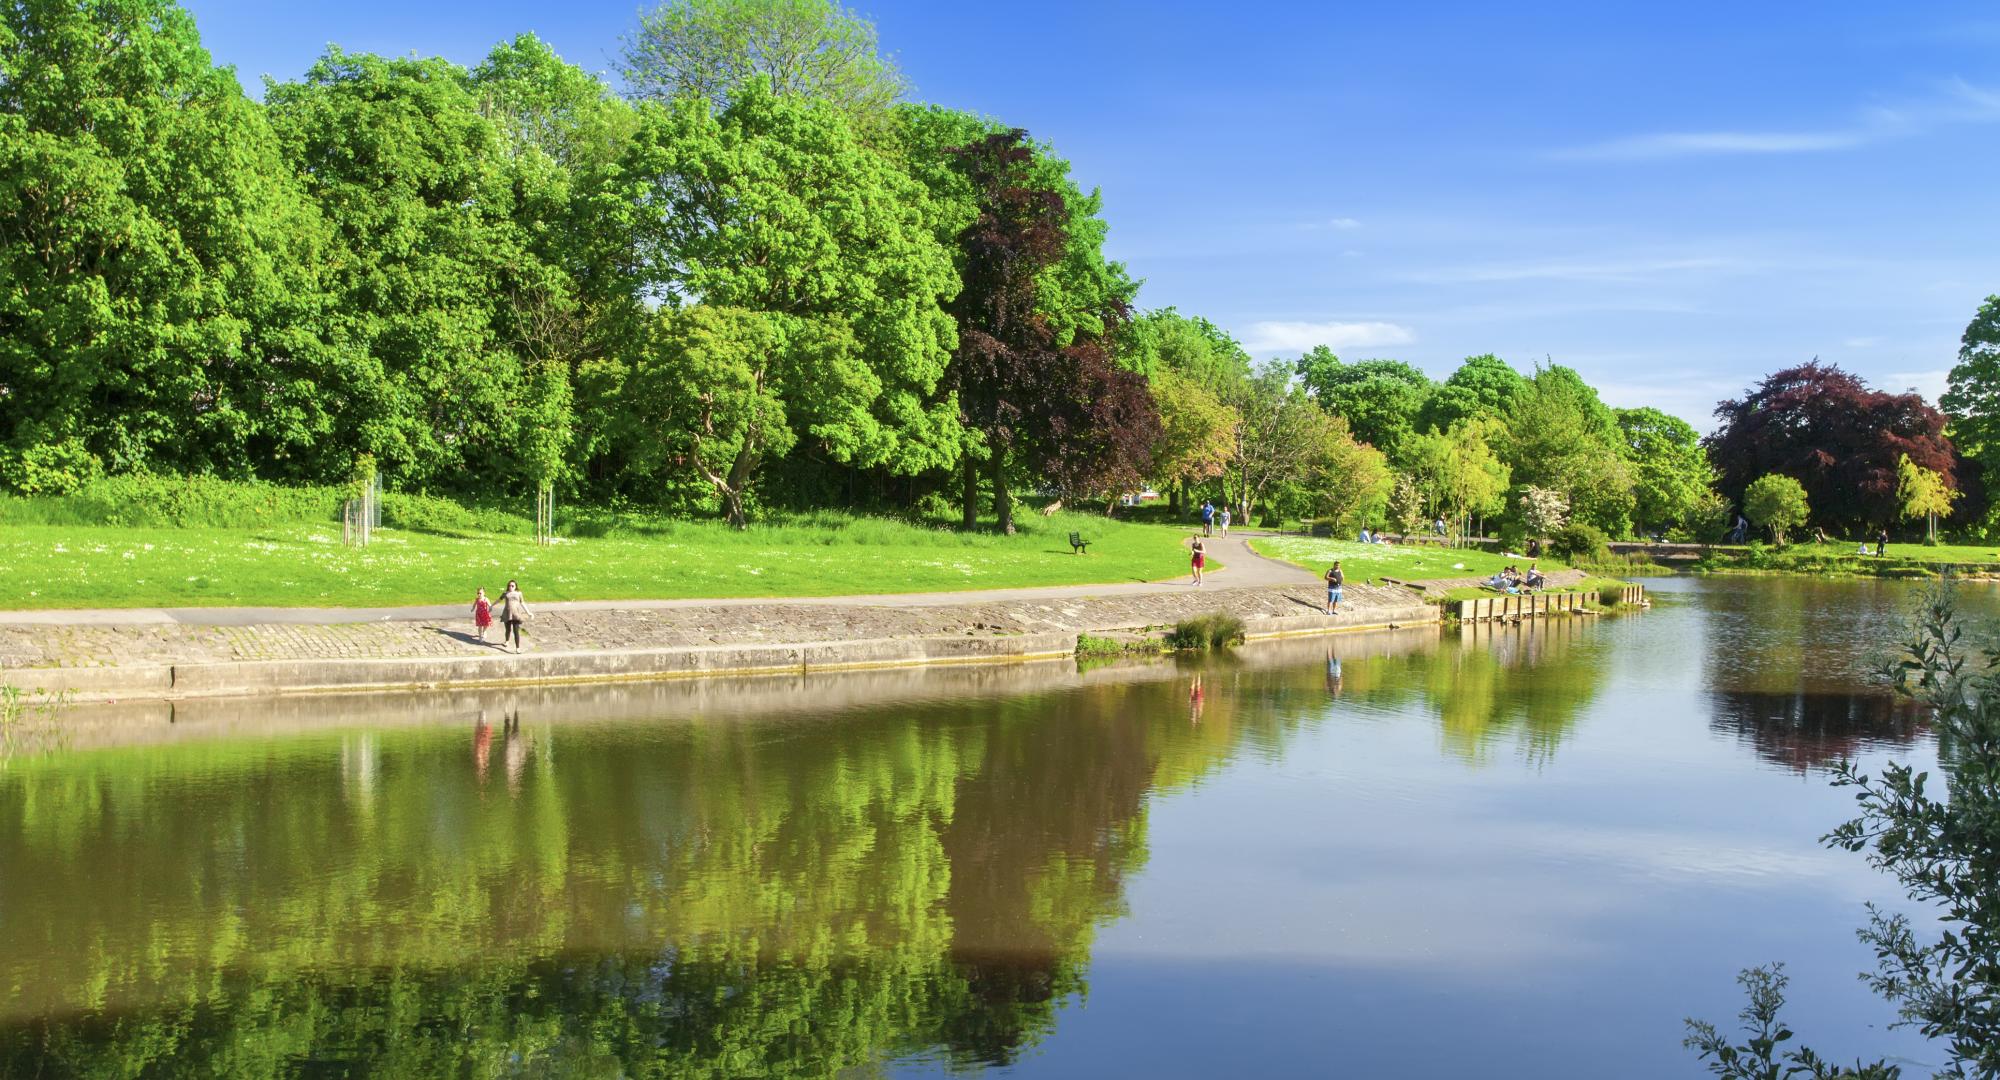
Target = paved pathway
(1242,568)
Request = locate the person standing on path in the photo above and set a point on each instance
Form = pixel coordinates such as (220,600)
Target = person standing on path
(1335,580)
(482,613)
(1207,518)
(1198,559)
(1881,543)
(1222,519)
(513,612)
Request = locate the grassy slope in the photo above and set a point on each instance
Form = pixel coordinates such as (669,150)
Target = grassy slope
(1916,552)
(1372,562)
(303,565)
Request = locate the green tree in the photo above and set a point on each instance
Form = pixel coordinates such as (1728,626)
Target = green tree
(775,206)
(1280,436)
(1923,493)
(1483,386)
(1190,346)
(1972,393)
(1564,438)
(712,49)
(1670,470)
(419,186)
(709,389)
(1457,471)
(1197,431)
(1379,399)
(1776,502)
(162,306)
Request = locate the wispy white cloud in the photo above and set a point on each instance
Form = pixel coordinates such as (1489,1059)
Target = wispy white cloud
(1685,144)
(1958,102)
(1265,337)
(1340,224)
(1571,270)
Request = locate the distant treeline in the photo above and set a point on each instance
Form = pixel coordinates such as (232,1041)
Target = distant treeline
(757,277)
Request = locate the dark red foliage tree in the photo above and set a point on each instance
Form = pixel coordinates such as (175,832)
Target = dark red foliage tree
(1063,412)
(1837,437)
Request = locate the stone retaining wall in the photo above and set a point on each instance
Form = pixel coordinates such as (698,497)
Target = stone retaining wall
(97,663)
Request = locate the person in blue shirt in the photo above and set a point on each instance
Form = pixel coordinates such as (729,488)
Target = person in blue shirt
(1207,518)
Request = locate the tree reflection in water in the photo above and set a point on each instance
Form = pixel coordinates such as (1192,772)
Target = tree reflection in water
(770,897)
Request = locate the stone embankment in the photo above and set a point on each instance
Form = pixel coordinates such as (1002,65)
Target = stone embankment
(101,659)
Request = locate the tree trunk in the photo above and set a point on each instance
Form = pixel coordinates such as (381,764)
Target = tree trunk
(1003,503)
(971,493)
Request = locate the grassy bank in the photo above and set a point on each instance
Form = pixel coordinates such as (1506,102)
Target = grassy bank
(1590,585)
(263,546)
(1367,563)
(1843,560)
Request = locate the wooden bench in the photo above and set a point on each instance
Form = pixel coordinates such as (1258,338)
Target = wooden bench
(1077,544)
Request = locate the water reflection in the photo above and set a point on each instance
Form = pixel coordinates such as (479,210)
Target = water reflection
(1784,659)
(804,875)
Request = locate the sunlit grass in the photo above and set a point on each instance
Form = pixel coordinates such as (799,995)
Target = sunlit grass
(1373,562)
(292,564)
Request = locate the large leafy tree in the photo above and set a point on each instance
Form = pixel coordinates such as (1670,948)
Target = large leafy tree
(1457,471)
(1197,432)
(1972,396)
(774,205)
(1670,471)
(709,389)
(1188,345)
(420,188)
(161,303)
(1562,437)
(1280,436)
(711,49)
(1483,386)
(1379,399)
(1839,438)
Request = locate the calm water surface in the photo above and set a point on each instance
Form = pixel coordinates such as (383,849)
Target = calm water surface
(1516,853)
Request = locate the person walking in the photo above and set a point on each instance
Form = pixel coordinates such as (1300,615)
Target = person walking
(482,613)
(1335,581)
(1199,559)
(513,612)
(1223,520)
(1207,518)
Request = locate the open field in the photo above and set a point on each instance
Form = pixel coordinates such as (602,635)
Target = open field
(1373,562)
(305,564)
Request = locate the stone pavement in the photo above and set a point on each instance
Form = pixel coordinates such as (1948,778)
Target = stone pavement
(611,627)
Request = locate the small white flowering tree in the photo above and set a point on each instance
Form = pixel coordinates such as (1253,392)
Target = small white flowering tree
(1543,511)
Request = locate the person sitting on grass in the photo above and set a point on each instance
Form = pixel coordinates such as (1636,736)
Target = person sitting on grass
(1536,580)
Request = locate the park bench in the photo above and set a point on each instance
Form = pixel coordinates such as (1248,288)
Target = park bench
(1077,544)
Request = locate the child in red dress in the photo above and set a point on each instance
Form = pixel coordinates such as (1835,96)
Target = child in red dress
(482,613)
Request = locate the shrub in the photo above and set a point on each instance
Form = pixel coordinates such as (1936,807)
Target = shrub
(1580,542)
(1216,630)
(143,500)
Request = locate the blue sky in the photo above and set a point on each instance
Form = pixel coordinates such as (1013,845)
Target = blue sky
(1673,199)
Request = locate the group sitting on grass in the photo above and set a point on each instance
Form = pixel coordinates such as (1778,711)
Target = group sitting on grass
(1510,579)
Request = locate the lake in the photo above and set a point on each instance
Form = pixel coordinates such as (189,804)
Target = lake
(1503,852)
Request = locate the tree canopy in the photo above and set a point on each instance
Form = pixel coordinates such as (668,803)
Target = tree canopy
(1841,440)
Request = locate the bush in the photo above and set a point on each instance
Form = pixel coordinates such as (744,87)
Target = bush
(143,500)
(428,513)
(1216,630)
(1580,542)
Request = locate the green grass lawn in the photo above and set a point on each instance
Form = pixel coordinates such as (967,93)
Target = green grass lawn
(1942,553)
(305,565)
(1373,562)
(1591,585)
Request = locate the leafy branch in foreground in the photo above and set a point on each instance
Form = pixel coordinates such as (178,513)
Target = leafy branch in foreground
(1944,851)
